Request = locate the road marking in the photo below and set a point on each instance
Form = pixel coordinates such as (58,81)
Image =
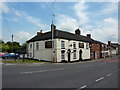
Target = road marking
(109,74)
(99,79)
(82,87)
(59,69)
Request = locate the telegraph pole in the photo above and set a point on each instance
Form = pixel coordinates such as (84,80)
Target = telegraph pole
(12,43)
(53,31)
(53,22)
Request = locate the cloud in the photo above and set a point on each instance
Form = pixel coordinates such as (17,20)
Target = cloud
(108,31)
(19,13)
(10,19)
(4,8)
(108,8)
(31,19)
(22,36)
(66,23)
(80,11)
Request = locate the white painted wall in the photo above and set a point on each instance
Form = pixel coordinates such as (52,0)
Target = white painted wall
(85,54)
(113,52)
(46,53)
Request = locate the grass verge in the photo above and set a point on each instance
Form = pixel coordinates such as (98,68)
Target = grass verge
(22,61)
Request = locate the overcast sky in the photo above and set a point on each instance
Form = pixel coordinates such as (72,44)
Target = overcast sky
(24,19)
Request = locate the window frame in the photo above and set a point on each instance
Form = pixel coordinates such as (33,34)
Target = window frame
(74,54)
(48,44)
(74,45)
(62,55)
(30,46)
(87,46)
(37,45)
(63,44)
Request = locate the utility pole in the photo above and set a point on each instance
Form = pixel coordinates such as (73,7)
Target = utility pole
(53,31)
(12,43)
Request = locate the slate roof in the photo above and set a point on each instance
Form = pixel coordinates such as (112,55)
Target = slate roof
(62,35)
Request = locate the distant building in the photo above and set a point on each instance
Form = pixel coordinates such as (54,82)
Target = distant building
(113,48)
(97,49)
(67,46)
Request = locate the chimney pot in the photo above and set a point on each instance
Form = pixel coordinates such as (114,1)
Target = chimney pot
(109,43)
(77,32)
(40,32)
(89,35)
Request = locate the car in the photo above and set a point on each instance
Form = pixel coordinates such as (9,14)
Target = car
(11,55)
(2,54)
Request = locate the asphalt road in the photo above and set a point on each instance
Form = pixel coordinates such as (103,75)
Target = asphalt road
(88,74)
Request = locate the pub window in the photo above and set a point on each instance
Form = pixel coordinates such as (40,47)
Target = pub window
(63,55)
(74,54)
(74,45)
(62,44)
(48,44)
(87,45)
(81,45)
(31,46)
(37,45)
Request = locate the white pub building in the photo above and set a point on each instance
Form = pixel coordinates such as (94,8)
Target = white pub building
(66,46)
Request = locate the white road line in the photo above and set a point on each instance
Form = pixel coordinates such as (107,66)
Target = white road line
(109,74)
(99,79)
(42,71)
(82,87)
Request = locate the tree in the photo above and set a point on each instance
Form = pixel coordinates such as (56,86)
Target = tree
(16,46)
(4,47)
(1,41)
(24,47)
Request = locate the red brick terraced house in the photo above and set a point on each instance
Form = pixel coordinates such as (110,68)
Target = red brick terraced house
(97,49)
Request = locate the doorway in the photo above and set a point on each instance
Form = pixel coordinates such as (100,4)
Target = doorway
(80,55)
(69,51)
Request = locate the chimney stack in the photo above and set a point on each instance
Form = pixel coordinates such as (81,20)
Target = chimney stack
(40,32)
(89,35)
(109,43)
(77,32)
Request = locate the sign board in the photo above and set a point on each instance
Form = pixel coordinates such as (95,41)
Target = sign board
(48,44)
(81,45)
